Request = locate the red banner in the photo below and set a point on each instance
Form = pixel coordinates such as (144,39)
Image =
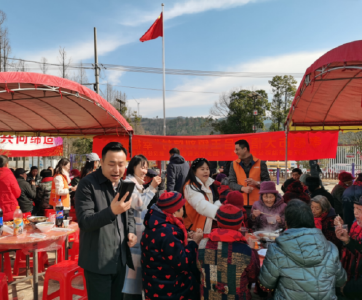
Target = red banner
(24,146)
(53,151)
(266,146)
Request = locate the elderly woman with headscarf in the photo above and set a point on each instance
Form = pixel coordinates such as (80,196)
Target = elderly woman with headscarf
(324,216)
(268,211)
(295,190)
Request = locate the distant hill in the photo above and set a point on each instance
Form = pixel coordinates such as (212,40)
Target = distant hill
(182,126)
(177,126)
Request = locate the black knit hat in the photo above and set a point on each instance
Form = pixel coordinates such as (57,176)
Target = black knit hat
(170,202)
(229,217)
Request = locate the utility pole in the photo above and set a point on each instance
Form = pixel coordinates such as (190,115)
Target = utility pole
(285,100)
(164,72)
(96,69)
(254,116)
(138,106)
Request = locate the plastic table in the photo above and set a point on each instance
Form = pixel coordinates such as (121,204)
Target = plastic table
(52,240)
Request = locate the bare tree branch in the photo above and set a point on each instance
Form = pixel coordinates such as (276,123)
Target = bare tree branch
(64,61)
(43,65)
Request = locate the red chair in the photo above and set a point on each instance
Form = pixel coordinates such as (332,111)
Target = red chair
(64,273)
(7,267)
(20,262)
(3,287)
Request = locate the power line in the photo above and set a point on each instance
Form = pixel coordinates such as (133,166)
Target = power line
(151,89)
(151,70)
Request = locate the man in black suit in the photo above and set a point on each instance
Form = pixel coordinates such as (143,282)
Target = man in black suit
(107,226)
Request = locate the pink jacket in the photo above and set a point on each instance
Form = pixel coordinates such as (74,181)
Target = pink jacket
(261,222)
(9,193)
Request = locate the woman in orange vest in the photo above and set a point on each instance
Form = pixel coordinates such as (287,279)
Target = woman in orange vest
(61,185)
(200,194)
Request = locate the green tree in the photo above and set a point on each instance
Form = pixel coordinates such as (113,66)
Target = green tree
(284,89)
(234,113)
(82,146)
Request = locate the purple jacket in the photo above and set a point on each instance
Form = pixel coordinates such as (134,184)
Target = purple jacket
(261,223)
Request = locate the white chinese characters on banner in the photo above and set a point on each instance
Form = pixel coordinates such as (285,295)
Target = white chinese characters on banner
(27,143)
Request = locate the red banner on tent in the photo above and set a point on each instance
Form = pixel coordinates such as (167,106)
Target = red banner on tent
(265,146)
(24,146)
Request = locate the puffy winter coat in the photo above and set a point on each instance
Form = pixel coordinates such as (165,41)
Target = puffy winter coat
(169,268)
(28,194)
(177,171)
(200,209)
(9,193)
(261,222)
(43,195)
(350,195)
(302,265)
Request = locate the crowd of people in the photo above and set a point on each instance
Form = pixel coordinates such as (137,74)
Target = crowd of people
(186,238)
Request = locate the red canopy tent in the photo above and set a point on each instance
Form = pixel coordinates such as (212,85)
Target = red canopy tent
(329,96)
(33,104)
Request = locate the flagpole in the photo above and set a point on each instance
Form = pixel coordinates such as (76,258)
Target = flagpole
(164,78)
(164,71)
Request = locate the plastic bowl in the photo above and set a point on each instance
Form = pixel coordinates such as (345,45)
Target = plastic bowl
(271,220)
(45,226)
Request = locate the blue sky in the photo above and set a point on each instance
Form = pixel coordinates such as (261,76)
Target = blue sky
(215,35)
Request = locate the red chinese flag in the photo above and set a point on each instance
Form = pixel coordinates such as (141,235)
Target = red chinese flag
(155,30)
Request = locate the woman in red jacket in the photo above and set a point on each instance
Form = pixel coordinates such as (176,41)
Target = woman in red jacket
(9,190)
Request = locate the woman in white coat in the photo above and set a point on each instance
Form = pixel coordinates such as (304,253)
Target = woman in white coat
(201,197)
(136,172)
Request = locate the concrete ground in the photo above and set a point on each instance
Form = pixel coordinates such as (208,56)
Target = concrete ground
(24,290)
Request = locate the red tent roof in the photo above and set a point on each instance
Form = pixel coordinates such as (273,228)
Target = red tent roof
(329,96)
(38,104)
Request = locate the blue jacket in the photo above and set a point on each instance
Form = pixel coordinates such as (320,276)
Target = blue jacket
(301,265)
(350,195)
(177,171)
(169,268)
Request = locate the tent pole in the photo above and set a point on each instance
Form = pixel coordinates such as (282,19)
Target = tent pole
(130,145)
(286,152)
(96,86)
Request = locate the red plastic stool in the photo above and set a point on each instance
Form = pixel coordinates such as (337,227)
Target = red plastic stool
(64,273)
(20,262)
(61,253)
(7,266)
(3,287)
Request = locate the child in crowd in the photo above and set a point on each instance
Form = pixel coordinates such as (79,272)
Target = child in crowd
(168,260)
(236,198)
(223,189)
(227,264)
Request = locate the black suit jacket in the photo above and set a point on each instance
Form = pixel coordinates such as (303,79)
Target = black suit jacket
(99,250)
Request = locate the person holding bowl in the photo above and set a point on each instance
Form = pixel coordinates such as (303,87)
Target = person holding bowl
(268,212)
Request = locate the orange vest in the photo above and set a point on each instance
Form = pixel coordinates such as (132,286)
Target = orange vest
(254,173)
(193,217)
(54,197)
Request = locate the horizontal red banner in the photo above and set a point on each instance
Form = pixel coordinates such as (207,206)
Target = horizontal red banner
(53,151)
(265,146)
